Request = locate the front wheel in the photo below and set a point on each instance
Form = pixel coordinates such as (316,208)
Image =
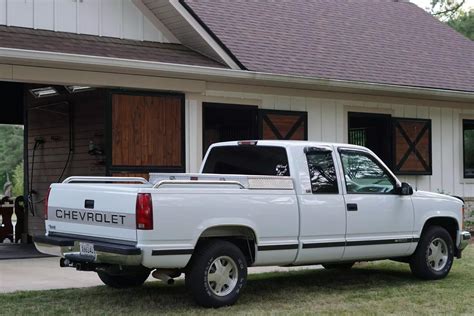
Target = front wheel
(434,255)
(216,274)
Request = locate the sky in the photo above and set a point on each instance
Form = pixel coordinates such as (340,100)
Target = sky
(426,3)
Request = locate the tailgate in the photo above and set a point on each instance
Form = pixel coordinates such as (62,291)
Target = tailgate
(93,210)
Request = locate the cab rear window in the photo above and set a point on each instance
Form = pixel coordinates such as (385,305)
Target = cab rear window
(248,160)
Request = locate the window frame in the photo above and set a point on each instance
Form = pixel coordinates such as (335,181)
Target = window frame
(309,150)
(463,121)
(375,159)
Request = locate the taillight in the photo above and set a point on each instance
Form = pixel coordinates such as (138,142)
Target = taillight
(46,198)
(462,218)
(144,211)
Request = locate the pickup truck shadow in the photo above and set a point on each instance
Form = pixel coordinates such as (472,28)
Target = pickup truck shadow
(271,287)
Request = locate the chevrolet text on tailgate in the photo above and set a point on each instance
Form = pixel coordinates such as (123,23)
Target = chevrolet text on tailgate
(253,204)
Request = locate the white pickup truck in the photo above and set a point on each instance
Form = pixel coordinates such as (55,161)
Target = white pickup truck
(254,203)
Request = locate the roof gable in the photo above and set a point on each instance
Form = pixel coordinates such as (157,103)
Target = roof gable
(189,30)
(369,41)
(89,45)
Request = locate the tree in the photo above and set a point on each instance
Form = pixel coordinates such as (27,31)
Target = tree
(446,9)
(18,180)
(453,12)
(464,24)
(11,150)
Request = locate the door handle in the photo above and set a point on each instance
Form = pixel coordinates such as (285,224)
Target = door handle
(351,207)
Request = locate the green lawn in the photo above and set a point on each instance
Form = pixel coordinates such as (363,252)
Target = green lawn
(370,288)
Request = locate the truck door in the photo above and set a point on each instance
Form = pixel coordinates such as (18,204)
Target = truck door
(379,221)
(322,210)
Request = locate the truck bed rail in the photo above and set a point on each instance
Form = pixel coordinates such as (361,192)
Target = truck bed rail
(205,182)
(105,180)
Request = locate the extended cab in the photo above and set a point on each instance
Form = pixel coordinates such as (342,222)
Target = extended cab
(254,203)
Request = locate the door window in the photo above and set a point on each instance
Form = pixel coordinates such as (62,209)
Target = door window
(364,174)
(322,172)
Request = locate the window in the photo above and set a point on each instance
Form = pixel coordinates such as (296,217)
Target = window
(249,160)
(403,144)
(363,174)
(468,148)
(322,172)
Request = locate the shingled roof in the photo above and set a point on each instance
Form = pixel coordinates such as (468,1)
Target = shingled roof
(382,41)
(50,41)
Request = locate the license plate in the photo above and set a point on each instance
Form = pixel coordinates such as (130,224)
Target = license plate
(87,250)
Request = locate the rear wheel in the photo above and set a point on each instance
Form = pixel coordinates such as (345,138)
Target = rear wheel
(216,274)
(338,266)
(434,255)
(124,279)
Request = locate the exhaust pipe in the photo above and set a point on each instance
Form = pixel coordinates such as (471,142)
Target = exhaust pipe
(167,276)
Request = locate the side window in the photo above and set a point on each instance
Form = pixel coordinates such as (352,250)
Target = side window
(322,172)
(364,174)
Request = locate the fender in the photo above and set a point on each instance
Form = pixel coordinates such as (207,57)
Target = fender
(216,222)
(435,214)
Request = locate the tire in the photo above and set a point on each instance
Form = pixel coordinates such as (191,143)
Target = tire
(434,255)
(338,266)
(125,279)
(209,258)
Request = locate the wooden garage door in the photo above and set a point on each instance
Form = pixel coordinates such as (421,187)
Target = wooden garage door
(147,134)
(287,125)
(412,146)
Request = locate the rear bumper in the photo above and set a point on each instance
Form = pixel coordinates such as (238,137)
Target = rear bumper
(108,252)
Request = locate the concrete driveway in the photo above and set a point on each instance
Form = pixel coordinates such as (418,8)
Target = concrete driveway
(45,274)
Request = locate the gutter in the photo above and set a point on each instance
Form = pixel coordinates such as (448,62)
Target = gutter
(21,56)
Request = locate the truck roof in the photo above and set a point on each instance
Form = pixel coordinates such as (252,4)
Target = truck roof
(290,143)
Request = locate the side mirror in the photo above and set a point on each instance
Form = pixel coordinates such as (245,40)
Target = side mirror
(405,189)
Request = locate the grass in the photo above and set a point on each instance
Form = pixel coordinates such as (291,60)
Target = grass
(382,287)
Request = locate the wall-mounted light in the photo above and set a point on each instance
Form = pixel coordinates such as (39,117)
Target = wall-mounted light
(44,92)
(76,89)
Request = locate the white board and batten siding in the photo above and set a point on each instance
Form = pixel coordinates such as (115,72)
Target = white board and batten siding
(111,18)
(327,121)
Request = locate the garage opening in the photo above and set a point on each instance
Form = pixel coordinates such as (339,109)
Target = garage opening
(373,131)
(12,215)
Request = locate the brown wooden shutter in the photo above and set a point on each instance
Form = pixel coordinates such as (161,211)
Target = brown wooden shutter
(412,146)
(147,133)
(287,125)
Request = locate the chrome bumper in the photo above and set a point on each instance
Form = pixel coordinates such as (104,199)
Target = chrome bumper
(105,252)
(464,238)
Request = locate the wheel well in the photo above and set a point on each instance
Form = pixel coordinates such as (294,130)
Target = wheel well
(241,236)
(448,223)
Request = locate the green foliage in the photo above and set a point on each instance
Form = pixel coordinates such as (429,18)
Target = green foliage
(11,150)
(18,180)
(464,24)
(453,12)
